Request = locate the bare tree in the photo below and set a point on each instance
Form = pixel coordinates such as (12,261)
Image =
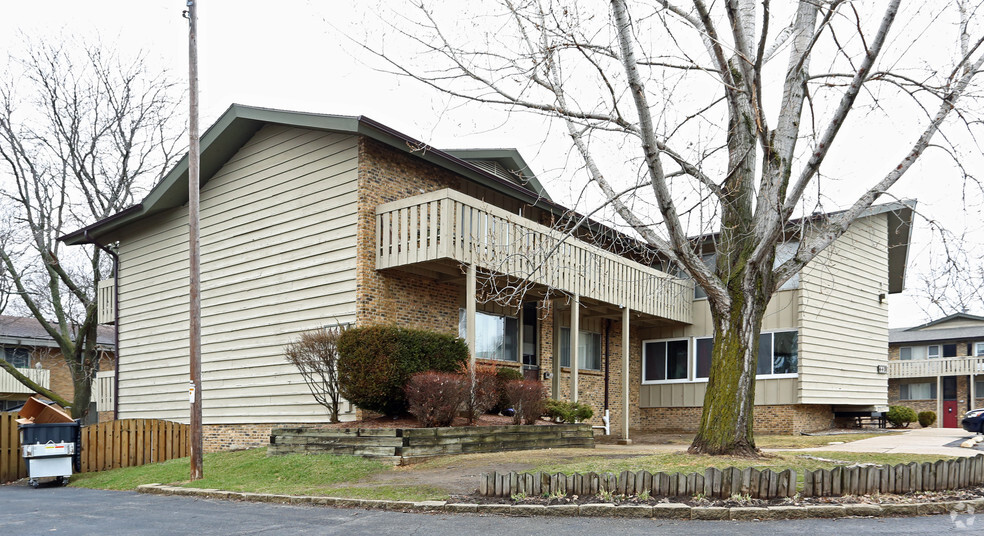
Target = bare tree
(315,354)
(709,137)
(82,131)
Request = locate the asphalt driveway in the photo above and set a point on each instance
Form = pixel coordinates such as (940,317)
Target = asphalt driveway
(83,512)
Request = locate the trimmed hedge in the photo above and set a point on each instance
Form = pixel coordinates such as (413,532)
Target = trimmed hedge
(927,418)
(901,416)
(375,363)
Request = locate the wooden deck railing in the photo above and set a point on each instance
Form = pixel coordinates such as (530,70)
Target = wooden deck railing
(928,368)
(106,302)
(8,384)
(447,224)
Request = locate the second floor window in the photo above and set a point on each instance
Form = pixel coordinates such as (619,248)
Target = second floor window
(18,357)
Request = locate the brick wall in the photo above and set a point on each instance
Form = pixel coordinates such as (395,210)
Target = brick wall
(777,419)
(60,378)
(963,395)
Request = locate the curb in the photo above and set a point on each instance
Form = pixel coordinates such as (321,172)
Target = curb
(659,511)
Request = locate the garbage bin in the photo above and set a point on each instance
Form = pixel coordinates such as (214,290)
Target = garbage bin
(50,450)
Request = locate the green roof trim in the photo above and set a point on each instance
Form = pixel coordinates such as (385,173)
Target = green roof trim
(239,123)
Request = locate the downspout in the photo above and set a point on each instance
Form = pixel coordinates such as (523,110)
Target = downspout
(116,322)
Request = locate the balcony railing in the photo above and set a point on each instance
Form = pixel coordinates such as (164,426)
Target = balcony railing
(106,302)
(102,390)
(447,224)
(922,368)
(9,385)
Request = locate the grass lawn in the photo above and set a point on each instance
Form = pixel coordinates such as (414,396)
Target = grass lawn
(247,470)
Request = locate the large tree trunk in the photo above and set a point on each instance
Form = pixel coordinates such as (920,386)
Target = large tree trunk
(727,419)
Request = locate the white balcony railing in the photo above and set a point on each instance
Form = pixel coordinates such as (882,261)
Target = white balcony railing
(447,224)
(106,302)
(103,392)
(10,385)
(922,368)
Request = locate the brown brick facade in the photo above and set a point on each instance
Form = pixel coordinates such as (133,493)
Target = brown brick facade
(777,419)
(963,384)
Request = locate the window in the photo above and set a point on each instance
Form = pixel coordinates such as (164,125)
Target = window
(778,353)
(18,357)
(496,336)
(702,357)
(978,349)
(949,350)
(665,360)
(978,390)
(933,351)
(588,349)
(905,353)
(917,391)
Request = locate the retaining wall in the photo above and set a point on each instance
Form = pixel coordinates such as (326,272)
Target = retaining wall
(408,443)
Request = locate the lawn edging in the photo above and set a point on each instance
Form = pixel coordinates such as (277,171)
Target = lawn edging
(657,511)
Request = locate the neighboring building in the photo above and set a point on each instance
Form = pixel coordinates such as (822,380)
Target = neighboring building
(26,345)
(309,219)
(938,366)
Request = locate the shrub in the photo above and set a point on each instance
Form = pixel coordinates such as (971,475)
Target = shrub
(565,411)
(315,354)
(375,363)
(485,394)
(503,376)
(527,398)
(901,416)
(436,397)
(927,418)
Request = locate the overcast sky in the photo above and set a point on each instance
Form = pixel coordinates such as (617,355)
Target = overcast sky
(293,54)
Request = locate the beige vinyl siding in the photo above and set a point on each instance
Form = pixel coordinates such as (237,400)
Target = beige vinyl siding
(278,257)
(675,395)
(781,314)
(843,327)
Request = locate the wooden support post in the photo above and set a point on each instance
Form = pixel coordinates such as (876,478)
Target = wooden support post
(626,355)
(470,313)
(575,337)
(555,364)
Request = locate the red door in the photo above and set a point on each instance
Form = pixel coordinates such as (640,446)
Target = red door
(950,419)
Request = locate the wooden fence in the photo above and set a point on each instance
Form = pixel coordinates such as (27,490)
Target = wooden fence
(108,445)
(767,484)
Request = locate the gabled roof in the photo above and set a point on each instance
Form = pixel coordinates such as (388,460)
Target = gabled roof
(27,331)
(239,123)
(935,331)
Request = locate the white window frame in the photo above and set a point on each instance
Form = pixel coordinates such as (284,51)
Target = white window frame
(939,351)
(693,359)
(581,355)
(978,349)
(462,329)
(688,379)
(932,385)
(798,356)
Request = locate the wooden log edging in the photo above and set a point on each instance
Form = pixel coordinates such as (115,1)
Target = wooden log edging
(716,483)
(406,444)
(712,483)
(677,511)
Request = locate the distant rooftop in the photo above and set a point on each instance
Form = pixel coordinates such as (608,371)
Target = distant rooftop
(27,331)
(960,326)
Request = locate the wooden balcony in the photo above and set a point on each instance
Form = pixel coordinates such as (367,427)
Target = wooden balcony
(449,225)
(9,385)
(106,302)
(930,368)
(102,390)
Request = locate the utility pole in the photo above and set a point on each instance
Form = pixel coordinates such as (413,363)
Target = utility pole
(195,329)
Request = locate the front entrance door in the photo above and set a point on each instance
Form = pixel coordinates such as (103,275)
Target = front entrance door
(950,411)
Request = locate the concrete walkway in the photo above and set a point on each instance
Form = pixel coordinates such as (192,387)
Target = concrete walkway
(944,441)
